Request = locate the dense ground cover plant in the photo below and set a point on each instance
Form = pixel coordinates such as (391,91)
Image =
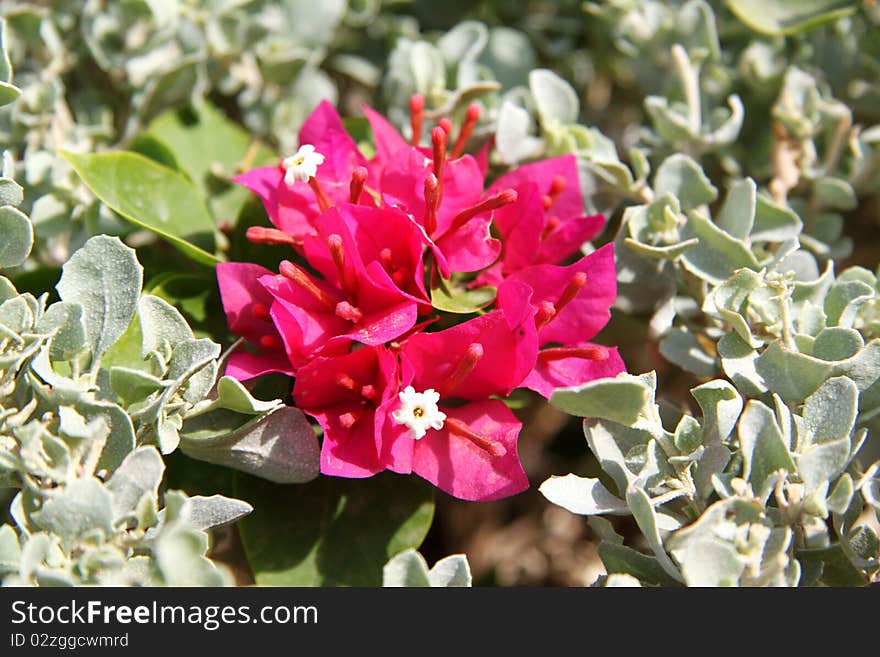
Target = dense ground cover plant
(239,305)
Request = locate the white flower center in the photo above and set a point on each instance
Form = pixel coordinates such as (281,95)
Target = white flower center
(303,165)
(419,411)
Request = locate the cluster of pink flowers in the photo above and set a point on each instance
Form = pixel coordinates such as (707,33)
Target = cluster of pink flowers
(350,317)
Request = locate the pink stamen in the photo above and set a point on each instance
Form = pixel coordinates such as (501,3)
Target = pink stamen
(439,140)
(296,275)
(557,186)
(348,420)
(459,428)
(416,117)
(270,342)
(552,224)
(345,381)
(320,194)
(546,201)
(385,258)
(465,366)
(432,203)
(358,179)
(263,235)
(259,311)
(349,313)
(347,278)
(545,314)
(370,393)
(467,128)
(492,203)
(589,352)
(571,291)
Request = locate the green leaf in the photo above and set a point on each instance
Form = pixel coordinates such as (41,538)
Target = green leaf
(721,405)
(80,508)
(333,531)
(459,300)
(280,447)
(680,347)
(582,495)
(556,99)
(646,517)
(623,399)
(773,222)
(763,448)
(139,474)
(18,237)
(830,412)
(105,278)
(409,569)
(10,550)
(682,177)
(777,17)
(625,560)
(161,323)
(151,196)
(234,396)
(209,148)
(791,375)
(718,254)
(737,215)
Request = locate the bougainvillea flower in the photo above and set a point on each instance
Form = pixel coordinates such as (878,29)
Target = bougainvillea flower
(293,206)
(386,242)
(570,305)
(545,223)
(473,453)
(562,367)
(312,315)
(350,396)
(247,303)
(444,195)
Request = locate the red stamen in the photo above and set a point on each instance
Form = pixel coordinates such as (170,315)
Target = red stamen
(345,381)
(432,203)
(370,393)
(557,185)
(571,291)
(551,225)
(386,259)
(297,275)
(459,428)
(492,203)
(270,342)
(263,235)
(439,140)
(465,366)
(416,117)
(320,195)
(348,312)
(546,201)
(445,125)
(348,420)
(259,311)
(347,278)
(545,314)
(358,179)
(467,128)
(398,276)
(589,352)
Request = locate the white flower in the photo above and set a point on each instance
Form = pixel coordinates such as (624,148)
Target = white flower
(419,411)
(303,165)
